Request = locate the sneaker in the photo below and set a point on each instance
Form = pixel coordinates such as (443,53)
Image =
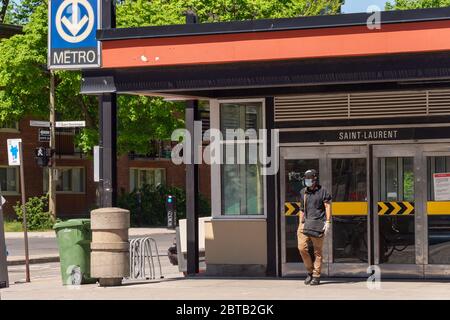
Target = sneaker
(308,279)
(315,281)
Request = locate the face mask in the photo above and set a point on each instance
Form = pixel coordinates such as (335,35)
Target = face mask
(308,182)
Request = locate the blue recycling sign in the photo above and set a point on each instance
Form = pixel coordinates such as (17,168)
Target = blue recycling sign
(72,39)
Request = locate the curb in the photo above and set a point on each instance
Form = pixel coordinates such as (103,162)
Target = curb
(18,262)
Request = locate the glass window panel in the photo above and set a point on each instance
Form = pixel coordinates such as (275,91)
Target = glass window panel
(76,180)
(349,179)
(133,179)
(397,244)
(436,165)
(151,177)
(438,225)
(69,180)
(439,239)
(293,175)
(408,179)
(396,232)
(9,179)
(391,182)
(158,177)
(241,180)
(349,183)
(231,189)
(350,239)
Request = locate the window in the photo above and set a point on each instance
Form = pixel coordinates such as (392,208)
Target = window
(438,225)
(9,126)
(9,180)
(70,180)
(152,177)
(241,181)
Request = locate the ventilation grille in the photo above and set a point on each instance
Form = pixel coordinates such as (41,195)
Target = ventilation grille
(362,105)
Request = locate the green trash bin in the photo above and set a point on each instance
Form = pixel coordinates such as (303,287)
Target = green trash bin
(74,241)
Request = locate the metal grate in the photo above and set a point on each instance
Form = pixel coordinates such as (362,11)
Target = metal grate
(362,105)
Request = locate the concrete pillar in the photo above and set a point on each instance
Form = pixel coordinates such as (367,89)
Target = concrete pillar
(110,259)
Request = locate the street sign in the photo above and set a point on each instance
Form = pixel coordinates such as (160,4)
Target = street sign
(36,123)
(44,135)
(70,124)
(96,164)
(13,152)
(58,124)
(72,34)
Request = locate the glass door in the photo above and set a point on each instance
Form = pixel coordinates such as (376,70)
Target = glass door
(398,217)
(437,208)
(294,162)
(349,249)
(343,171)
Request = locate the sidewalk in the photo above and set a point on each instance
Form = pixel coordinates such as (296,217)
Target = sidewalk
(232,288)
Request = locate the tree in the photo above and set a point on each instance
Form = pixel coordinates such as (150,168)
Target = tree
(138,13)
(24,78)
(3,9)
(416,4)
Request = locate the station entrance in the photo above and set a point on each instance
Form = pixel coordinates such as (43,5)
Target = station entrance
(384,210)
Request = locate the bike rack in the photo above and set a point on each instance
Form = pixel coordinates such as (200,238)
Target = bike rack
(142,265)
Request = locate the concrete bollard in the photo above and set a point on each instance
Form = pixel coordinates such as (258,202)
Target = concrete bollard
(110,260)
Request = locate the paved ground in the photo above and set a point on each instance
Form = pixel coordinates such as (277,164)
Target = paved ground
(46,283)
(176,287)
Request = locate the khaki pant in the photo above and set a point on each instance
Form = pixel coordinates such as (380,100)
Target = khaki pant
(303,240)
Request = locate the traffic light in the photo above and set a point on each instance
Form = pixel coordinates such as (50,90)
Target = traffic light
(171,212)
(42,156)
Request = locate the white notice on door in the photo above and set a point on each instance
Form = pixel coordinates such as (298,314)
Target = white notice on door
(441,186)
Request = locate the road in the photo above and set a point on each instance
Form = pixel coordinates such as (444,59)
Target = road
(48,246)
(44,246)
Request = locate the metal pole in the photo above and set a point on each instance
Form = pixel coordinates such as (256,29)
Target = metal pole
(108,147)
(192,114)
(4,281)
(24,212)
(52,169)
(371,229)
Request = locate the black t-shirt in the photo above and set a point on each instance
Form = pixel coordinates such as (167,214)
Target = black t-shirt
(315,202)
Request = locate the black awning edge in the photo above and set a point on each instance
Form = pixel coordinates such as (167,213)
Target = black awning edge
(265,25)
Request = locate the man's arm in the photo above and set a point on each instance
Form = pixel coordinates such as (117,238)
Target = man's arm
(328,211)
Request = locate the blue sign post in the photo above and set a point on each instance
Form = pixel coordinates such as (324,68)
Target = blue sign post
(72,34)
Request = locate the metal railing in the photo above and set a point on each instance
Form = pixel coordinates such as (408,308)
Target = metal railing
(142,264)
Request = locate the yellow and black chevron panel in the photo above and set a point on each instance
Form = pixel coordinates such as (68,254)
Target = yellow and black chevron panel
(292,208)
(393,208)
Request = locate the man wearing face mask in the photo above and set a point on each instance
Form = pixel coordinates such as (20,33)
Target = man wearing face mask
(315,222)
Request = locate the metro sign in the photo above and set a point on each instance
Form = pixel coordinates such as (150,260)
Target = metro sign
(72,34)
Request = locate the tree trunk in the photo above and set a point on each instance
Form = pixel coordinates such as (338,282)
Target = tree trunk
(3,10)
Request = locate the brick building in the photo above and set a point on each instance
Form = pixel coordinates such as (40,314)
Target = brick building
(76,189)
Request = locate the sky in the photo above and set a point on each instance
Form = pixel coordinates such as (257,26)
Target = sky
(351,6)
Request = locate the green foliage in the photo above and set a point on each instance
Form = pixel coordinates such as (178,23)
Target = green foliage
(19,11)
(37,216)
(143,118)
(24,78)
(13,226)
(132,13)
(416,4)
(152,211)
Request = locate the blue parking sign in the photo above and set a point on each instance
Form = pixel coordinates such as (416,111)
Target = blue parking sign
(72,34)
